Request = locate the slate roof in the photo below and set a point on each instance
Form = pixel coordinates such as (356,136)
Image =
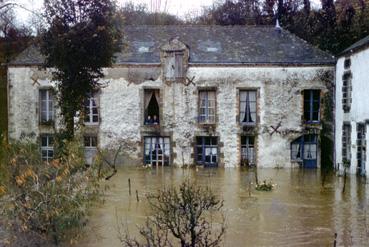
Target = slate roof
(210,45)
(357,46)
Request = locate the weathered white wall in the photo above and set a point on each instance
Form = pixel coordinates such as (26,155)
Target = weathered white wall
(359,112)
(24,84)
(121,109)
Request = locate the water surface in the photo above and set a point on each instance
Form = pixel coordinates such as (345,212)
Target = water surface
(298,212)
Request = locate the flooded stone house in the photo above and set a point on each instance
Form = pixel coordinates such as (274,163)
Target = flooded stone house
(182,95)
(352,112)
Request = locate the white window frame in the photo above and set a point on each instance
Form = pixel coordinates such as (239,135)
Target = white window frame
(347,91)
(157,150)
(361,145)
(248,150)
(207,107)
(46,103)
(243,112)
(89,111)
(49,147)
(90,141)
(346,142)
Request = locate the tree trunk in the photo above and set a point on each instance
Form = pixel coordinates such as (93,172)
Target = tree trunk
(256,176)
(280,10)
(69,128)
(307,7)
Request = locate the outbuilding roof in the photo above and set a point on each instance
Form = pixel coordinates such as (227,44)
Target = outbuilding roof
(210,45)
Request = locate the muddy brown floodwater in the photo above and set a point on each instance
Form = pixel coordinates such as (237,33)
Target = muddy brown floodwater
(298,212)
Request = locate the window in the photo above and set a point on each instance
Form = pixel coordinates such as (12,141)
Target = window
(174,66)
(248,150)
(312,105)
(346,91)
(207,107)
(178,72)
(47,149)
(296,149)
(46,105)
(157,151)
(207,150)
(151,114)
(361,146)
(310,147)
(347,63)
(248,107)
(92,115)
(90,141)
(305,149)
(346,143)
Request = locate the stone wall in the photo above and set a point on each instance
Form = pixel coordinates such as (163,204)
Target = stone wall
(279,103)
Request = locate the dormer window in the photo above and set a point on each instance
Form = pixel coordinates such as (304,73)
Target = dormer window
(209,46)
(178,68)
(143,46)
(174,58)
(211,49)
(173,68)
(143,49)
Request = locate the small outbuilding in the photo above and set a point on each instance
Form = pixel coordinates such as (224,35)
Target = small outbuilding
(352,109)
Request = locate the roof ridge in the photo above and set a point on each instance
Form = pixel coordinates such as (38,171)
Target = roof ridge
(203,25)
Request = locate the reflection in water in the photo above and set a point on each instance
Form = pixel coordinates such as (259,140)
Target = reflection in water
(299,211)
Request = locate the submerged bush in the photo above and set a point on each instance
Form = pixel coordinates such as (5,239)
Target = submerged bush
(181,218)
(45,202)
(264,186)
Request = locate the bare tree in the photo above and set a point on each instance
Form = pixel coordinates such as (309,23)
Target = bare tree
(181,217)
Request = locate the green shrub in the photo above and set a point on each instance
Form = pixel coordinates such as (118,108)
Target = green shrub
(46,201)
(264,186)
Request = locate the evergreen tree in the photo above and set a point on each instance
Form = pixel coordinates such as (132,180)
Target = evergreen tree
(81,40)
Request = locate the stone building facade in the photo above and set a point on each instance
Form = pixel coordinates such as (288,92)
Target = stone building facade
(183,95)
(352,112)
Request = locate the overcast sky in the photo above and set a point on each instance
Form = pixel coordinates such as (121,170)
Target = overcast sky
(176,7)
